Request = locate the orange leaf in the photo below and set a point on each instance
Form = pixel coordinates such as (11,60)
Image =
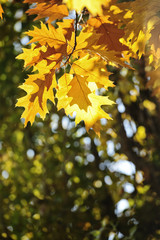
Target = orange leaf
(1,11)
(110,34)
(51,9)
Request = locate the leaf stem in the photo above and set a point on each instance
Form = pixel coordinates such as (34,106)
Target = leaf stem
(75,40)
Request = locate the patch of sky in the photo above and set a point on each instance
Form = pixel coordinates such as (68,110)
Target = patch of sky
(118,146)
(65,122)
(97,141)
(111,236)
(18,14)
(135,80)
(5,174)
(80,132)
(30,153)
(130,127)
(22,120)
(120,105)
(17,46)
(108,180)
(102,166)
(54,122)
(103,121)
(122,205)
(24,40)
(100,153)
(39,124)
(0,145)
(123,167)
(137,88)
(110,148)
(128,187)
(72,15)
(90,157)
(18,26)
(87,141)
(124,72)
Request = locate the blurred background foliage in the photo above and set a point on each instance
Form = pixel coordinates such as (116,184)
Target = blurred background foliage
(59,182)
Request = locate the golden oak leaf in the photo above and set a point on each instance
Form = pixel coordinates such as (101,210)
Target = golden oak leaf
(43,67)
(1,11)
(111,57)
(94,69)
(95,7)
(53,9)
(67,27)
(51,36)
(39,89)
(85,41)
(79,92)
(31,56)
(118,13)
(110,33)
(76,89)
(63,89)
(138,29)
(94,112)
(154,42)
(90,111)
(52,48)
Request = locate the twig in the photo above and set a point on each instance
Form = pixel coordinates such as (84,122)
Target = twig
(75,40)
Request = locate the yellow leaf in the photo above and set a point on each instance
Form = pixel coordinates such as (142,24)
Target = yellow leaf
(95,7)
(94,69)
(67,27)
(94,112)
(31,56)
(140,25)
(39,88)
(51,36)
(87,44)
(74,96)
(85,41)
(77,90)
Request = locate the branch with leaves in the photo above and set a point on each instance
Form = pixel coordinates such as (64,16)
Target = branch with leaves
(111,34)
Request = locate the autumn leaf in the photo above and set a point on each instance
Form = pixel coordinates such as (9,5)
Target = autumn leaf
(51,9)
(50,36)
(95,7)
(94,69)
(86,43)
(1,11)
(67,27)
(39,89)
(140,24)
(81,49)
(79,91)
(74,96)
(110,33)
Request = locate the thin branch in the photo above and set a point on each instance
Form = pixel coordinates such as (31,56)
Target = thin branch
(75,40)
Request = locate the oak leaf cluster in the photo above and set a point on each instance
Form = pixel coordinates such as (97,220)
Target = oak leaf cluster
(79,39)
